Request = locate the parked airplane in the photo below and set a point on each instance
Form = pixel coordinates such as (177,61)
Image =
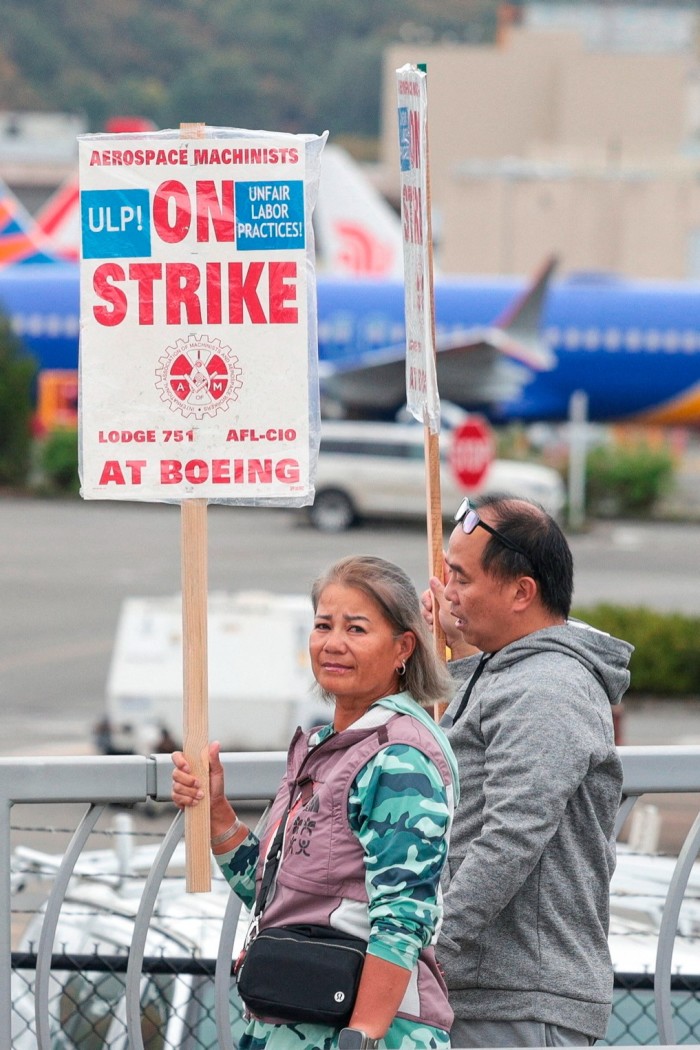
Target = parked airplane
(512,350)
(632,346)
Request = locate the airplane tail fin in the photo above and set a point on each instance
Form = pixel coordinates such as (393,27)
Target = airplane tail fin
(20,242)
(359,233)
(59,219)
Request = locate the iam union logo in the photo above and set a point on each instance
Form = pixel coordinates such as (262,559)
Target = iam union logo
(198,376)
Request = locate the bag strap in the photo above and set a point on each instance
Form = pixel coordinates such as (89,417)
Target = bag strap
(274,854)
(302,783)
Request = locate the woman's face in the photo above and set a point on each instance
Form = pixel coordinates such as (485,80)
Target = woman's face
(354,653)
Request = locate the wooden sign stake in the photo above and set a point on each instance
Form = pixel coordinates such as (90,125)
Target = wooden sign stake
(195,720)
(435,545)
(432,441)
(195,688)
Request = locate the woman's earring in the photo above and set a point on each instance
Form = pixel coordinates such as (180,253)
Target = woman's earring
(402,669)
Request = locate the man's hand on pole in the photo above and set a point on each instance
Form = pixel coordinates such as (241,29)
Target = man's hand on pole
(435,596)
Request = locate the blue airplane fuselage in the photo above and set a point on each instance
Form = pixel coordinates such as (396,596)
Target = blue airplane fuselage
(632,346)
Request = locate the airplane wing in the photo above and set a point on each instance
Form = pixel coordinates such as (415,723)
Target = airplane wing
(476,366)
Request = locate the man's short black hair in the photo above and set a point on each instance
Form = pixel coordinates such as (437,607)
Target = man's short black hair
(549,559)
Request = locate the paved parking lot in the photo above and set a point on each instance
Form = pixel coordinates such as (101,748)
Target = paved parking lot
(66,566)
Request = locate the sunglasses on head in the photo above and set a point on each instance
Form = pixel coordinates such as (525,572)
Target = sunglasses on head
(469,519)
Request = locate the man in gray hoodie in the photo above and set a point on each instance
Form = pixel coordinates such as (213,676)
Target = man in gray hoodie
(524,939)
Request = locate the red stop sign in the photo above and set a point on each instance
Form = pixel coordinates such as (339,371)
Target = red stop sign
(471,452)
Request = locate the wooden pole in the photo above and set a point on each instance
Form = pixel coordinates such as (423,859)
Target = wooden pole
(195,688)
(434,520)
(195,720)
(432,441)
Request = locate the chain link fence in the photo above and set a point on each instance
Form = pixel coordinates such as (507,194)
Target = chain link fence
(633,1020)
(87,1003)
(177,1005)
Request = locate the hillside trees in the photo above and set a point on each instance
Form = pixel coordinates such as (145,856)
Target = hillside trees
(246,63)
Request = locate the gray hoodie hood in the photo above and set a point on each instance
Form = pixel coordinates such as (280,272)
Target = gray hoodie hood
(605,656)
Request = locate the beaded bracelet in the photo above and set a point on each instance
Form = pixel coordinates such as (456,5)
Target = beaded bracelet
(218,840)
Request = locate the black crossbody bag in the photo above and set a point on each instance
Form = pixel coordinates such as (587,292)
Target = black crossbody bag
(299,972)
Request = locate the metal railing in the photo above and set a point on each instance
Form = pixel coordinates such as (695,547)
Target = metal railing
(100,782)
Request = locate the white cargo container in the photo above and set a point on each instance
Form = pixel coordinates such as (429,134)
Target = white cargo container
(260,681)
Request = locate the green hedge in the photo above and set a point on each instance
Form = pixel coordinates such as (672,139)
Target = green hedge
(58,462)
(626,479)
(666,659)
(17,373)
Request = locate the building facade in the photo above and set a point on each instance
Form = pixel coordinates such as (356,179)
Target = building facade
(543,145)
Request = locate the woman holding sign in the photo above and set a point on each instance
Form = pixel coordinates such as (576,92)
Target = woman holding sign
(344,879)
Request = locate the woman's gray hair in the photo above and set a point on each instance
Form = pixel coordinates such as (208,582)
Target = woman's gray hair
(426,677)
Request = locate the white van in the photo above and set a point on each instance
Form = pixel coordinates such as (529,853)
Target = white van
(377,470)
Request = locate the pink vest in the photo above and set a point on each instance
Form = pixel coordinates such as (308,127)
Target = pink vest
(322,861)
